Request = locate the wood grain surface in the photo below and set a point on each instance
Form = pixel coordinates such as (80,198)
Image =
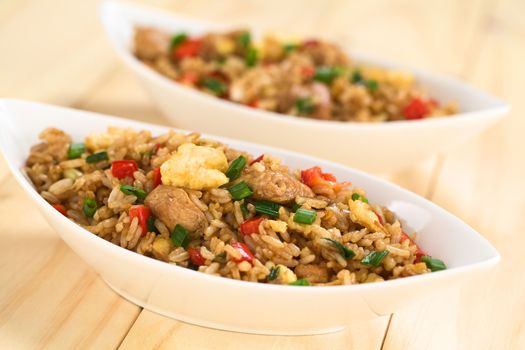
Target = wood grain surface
(55,51)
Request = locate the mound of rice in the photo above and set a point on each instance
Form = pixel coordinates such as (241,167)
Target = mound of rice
(343,240)
(307,78)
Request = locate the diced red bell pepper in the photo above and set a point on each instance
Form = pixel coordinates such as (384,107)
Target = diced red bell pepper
(123,168)
(251,226)
(258,159)
(189,78)
(246,254)
(188,48)
(196,257)
(417,108)
(307,71)
(315,177)
(60,208)
(156,148)
(253,104)
(142,213)
(157,177)
(419,251)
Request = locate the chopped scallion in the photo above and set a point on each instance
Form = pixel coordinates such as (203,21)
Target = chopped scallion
(305,105)
(240,191)
(357,77)
(300,282)
(357,196)
(97,157)
(220,258)
(374,258)
(326,74)
(235,168)
(344,251)
(268,208)
(178,39)
(214,85)
(89,207)
(372,85)
(304,216)
(433,264)
(251,57)
(245,39)
(133,191)
(179,236)
(274,273)
(290,47)
(75,150)
(244,210)
(151,224)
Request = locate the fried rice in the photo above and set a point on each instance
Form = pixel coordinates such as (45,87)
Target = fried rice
(309,78)
(199,204)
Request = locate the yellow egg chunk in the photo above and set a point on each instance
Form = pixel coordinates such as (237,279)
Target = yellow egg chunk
(101,140)
(195,167)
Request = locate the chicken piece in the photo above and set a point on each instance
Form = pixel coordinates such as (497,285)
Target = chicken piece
(195,167)
(362,213)
(324,53)
(313,273)
(173,206)
(151,43)
(278,187)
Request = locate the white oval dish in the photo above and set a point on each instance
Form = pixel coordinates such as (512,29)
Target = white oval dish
(224,303)
(381,147)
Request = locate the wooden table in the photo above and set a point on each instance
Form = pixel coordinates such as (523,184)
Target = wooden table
(54,51)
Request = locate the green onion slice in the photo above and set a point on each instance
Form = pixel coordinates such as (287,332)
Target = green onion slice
(357,77)
(305,105)
(151,224)
(374,258)
(179,236)
(268,208)
(97,157)
(235,168)
(220,258)
(300,282)
(327,74)
(304,216)
(433,264)
(178,39)
(295,207)
(251,57)
(89,207)
(345,252)
(274,273)
(245,39)
(75,150)
(372,85)
(357,196)
(244,209)
(290,47)
(133,191)
(214,85)
(240,191)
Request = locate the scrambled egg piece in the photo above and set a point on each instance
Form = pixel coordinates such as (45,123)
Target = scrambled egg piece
(286,275)
(362,213)
(195,167)
(278,226)
(101,140)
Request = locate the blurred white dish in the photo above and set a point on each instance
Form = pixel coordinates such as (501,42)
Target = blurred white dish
(381,147)
(228,304)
